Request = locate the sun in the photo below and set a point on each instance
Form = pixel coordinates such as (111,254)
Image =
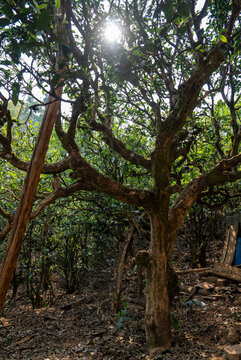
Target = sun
(112,32)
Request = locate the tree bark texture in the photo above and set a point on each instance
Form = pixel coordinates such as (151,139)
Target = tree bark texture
(21,218)
(157,317)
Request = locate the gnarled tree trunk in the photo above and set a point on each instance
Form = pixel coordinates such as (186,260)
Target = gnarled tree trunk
(157,318)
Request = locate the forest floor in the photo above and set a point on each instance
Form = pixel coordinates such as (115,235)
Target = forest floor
(80,326)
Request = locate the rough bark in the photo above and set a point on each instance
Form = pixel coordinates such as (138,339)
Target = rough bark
(157,317)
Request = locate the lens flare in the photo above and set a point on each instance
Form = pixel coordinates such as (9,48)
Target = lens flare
(112,32)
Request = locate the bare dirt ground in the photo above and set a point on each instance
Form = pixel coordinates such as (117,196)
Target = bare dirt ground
(80,326)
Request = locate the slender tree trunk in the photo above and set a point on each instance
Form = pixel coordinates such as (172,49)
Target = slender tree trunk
(27,196)
(21,218)
(115,306)
(157,318)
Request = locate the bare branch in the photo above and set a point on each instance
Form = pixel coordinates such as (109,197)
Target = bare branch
(5,231)
(54,168)
(189,91)
(235,13)
(60,193)
(219,175)
(103,184)
(6,215)
(118,146)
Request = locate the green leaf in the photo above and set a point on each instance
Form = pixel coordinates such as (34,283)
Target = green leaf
(133,79)
(55,80)
(198,47)
(168,9)
(177,21)
(4,21)
(43,20)
(42,6)
(184,9)
(15,92)
(15,51)
(6,62)
(119,322)
(35,3)
(57,4)
(223,38)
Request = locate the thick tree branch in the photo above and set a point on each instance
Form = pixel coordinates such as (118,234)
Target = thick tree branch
(78,108)
(233,111)
(181,144)
(225,171)
(5,231)
(60,193)
(6,215)
(58,127)
(187,99)
(54,168)
(118,146)
(103,184)
(73,46)
(189,91)
(5,144)
(235,13)
(50,199)
(219,175)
